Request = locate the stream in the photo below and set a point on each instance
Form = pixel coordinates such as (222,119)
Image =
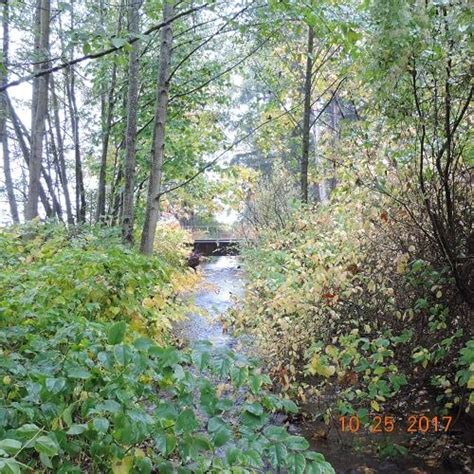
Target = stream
(223,283)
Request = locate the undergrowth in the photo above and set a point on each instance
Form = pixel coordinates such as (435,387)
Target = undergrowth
(346,299)
(89,381)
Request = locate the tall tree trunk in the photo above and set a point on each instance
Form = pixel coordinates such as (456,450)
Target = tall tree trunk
(131,133)
(3,116)
(80,190)
(307,116)
(39,105)
(22,137)
(334,122)
(59,146)
(107,107)
(107,114)
(158,146)
(71,96)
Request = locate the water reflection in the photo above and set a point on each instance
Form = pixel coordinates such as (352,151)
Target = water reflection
(221,283)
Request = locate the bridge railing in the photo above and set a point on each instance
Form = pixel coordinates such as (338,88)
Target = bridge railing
(211,232)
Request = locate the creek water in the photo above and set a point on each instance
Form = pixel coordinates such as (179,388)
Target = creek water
(223,282)
(222,285)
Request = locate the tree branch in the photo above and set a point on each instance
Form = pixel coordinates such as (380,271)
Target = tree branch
(100,54)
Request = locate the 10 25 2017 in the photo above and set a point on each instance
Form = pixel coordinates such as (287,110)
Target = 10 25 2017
(389,424)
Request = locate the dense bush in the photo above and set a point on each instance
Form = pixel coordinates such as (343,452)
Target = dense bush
(348,297)
(87,383)
(48,273)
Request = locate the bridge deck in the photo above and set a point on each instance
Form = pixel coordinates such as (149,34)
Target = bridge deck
(223,241)
(218,247)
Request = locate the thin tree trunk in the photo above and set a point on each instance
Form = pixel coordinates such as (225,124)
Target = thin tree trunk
(3,116)
(334,120)
(307,116)
(107,106)
(39,106)
(21,133)
(46,173)
(131,133)
(60,153)
(71,96)
(158,146)
(80,190)
(117,198)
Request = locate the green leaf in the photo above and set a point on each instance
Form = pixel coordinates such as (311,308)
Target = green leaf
(46,445)
(9,466)
(314,456)
(116,333)
(101,425)
(252,421)
(165,467)
(186,421)
(109,405)
(143,343)
(221,436)
(297,443)
(165,443)
(296,463)
(143,465)
(255,382)
(277,454)
(79,373)
(119,42)
(27,431)
(216,423)
(276,433)
(86,48)
(319,467)
(232,455)
(11,446)
(67,414)
(55,385)
(253,458)
(76,429)
(289,406)
(44,458)
(254,408)
(123,354)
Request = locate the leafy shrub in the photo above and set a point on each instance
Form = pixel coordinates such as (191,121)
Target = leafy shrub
(45,272)
(81,390)
(93,397)
(172,243)
(272,201)
(346,298)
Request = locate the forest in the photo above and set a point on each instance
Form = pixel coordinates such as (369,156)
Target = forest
(236,236)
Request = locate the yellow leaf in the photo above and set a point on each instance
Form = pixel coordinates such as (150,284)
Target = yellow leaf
(317,367)
(470,382)
(147,303)
(122,466)
(139,453)
(331,351)
(375,405)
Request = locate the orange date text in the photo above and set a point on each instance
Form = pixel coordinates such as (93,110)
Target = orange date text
(387,424)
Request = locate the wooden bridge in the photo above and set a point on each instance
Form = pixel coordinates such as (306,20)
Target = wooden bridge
(214,240)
